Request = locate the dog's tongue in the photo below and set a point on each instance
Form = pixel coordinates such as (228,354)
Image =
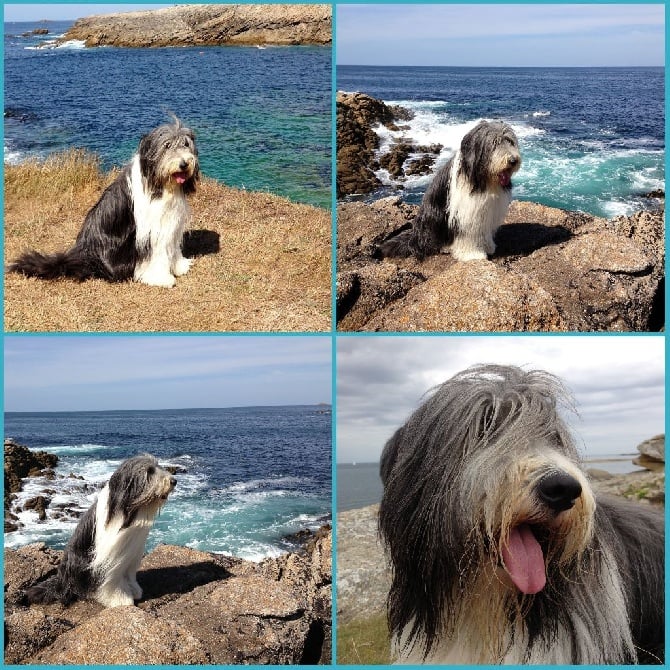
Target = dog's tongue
(179,177)
(524,560)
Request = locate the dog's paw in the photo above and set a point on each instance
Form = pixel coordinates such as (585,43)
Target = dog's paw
(461,255)
(164,280)
(181,267)
(135,589)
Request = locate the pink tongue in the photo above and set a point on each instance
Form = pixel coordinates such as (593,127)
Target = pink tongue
(504,179)
(524,560)
(179,177)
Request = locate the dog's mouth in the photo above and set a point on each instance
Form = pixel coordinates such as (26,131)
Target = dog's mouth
(180,177)
(523,558)
(505,178)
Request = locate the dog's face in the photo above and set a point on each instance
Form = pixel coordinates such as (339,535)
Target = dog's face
(490,156)
(138,485)
(169,158)
(483,493)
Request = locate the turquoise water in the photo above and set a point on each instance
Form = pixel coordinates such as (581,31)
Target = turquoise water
(261,116)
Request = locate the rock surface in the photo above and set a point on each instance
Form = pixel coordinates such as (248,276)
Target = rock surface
(207,25)
(20,463)
(652,454)
(357,142)
(553,271)
(198,608)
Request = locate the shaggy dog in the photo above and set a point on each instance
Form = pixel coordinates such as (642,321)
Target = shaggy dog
(501,552)
(135,230)
(467,200)
(103,555)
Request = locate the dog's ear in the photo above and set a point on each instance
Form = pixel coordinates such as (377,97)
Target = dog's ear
(475,156)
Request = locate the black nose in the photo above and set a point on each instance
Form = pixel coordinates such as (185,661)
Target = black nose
(512,161)
(559,491)
(173,482)
(183,164)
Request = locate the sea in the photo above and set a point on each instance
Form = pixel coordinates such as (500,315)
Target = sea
(262,116)
(247,478)
(592,139)
(359,485)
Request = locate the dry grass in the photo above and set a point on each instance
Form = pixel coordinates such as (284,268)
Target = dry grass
(262,263)
(364,642)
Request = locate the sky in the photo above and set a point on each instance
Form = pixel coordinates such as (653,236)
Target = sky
(501,35)
(63,12)
(617,382)
(80,373)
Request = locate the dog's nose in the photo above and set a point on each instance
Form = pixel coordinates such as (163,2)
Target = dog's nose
(173,482)
(512,161)
(183,164)
(559,491)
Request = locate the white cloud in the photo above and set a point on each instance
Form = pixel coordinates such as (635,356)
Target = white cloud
(617,382)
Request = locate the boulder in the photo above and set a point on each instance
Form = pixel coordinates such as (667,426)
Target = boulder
(20,462)
(198,608)
(652,454)
(553,270)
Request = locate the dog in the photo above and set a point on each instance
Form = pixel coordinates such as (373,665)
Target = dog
(500,550)
(135,230)
(104,553)
(467,201)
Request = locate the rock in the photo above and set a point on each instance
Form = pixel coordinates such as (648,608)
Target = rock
(596,474)
(419,166)
(198,608)
(207,25)
(652,454)
(20,462)
(357,114)
(124,636)
(363,572)
(39,505)
(553,271)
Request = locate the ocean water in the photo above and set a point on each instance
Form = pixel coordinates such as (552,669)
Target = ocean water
(252,476)
(261,116)
(592,139)
(358,485)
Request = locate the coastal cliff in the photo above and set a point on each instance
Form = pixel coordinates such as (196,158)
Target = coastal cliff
(207,25)
(553,270)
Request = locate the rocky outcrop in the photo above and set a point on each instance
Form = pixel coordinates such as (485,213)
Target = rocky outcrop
(207,25)
(553,270)
(357,143)
(20,463)
(652,454)
(198,608)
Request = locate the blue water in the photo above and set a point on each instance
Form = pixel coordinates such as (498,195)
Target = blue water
(261,116)
(252,475)
(592,139)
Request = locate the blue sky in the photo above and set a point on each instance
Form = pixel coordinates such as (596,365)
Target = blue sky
(61,12)
(523,35)
(60,373)
(618,383)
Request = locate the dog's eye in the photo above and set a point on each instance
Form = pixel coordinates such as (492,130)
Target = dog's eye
(150,470)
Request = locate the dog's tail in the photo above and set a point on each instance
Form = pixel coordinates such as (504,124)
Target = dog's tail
(50,590)
(73,263)
(431,229)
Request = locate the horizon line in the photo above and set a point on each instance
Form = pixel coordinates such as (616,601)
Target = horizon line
(163,409)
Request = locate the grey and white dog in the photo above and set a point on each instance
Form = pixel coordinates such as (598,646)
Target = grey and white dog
(104,553)
(468,199)
(501,551)
(135,230)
